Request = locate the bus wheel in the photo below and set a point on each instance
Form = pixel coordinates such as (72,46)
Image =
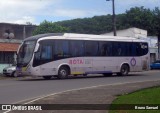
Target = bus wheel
(63,73)
(47,77)
(124,70)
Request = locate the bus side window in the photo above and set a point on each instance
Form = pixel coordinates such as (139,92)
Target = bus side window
(46,53)
(76,48)
(144,48)
(91,48)
(105,48)
(115,49)
(61,49)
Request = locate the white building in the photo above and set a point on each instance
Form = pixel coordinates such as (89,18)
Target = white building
(140,34)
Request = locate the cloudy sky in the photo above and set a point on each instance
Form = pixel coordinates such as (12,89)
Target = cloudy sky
(36,11)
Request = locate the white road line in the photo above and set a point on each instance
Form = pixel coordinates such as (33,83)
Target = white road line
(41,97)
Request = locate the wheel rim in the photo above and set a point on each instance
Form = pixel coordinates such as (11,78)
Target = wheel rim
(124,70)
(15,74)
(63,73)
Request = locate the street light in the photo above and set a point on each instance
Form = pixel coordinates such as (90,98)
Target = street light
(113,18)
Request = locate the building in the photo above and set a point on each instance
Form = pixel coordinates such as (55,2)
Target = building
(130,32)
(140,34)
(11,35)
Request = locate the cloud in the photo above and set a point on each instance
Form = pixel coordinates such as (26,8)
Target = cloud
(35,11)
(75,13)
(15,10)
(25,19)
(69,13)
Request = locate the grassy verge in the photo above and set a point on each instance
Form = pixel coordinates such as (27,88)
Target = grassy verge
(144,98)
(3,77)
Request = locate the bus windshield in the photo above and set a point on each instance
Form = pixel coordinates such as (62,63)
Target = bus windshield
(25,52)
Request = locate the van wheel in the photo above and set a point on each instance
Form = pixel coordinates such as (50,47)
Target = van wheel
(124,70)
(63,73)
(47,77)
(14,74)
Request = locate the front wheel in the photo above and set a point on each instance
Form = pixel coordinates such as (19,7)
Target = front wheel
(63,73)
(14,74)
(124,70)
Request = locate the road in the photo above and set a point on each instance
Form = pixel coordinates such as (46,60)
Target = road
(17,90)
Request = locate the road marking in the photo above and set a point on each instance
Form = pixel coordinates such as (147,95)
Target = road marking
(85,88)
(44,96)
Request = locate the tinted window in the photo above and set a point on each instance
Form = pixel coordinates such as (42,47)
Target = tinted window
(61,49)
(122,48)
(91,48)
(44,53)
(116,49)
(139,49)
(144,48)
(76,48)
(105,48)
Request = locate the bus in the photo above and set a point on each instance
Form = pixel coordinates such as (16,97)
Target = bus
(66,54)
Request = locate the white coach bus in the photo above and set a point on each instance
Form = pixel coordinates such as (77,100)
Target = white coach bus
(64,54)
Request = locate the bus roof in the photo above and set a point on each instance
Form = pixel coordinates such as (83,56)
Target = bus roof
(74,36)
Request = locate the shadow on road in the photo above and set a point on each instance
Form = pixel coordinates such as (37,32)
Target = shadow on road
(77,77)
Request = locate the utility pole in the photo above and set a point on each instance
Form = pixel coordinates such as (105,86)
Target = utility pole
(113,18)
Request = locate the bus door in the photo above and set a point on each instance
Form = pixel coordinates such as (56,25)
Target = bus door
(88,65)
(46,57)
(105,62)
(77,65)
(91,52)
(77,62)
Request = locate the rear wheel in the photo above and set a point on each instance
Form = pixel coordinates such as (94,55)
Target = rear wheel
(63,72)
(47,77)
(124,70)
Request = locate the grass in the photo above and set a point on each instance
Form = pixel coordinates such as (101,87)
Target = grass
(2,77)
(149,96)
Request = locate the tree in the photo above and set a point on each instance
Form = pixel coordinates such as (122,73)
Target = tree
(28,23)
(141,17)
(156,24)
(49,27)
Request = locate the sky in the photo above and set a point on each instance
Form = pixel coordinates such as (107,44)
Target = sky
(36,11)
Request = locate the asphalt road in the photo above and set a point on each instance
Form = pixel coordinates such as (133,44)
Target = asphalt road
(17,90)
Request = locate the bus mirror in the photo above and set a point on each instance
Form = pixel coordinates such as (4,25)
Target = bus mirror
(37,47)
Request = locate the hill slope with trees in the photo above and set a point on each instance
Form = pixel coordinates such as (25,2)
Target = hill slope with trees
(139,17)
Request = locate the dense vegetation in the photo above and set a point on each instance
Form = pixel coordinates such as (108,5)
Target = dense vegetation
(139,17)
(49,27)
